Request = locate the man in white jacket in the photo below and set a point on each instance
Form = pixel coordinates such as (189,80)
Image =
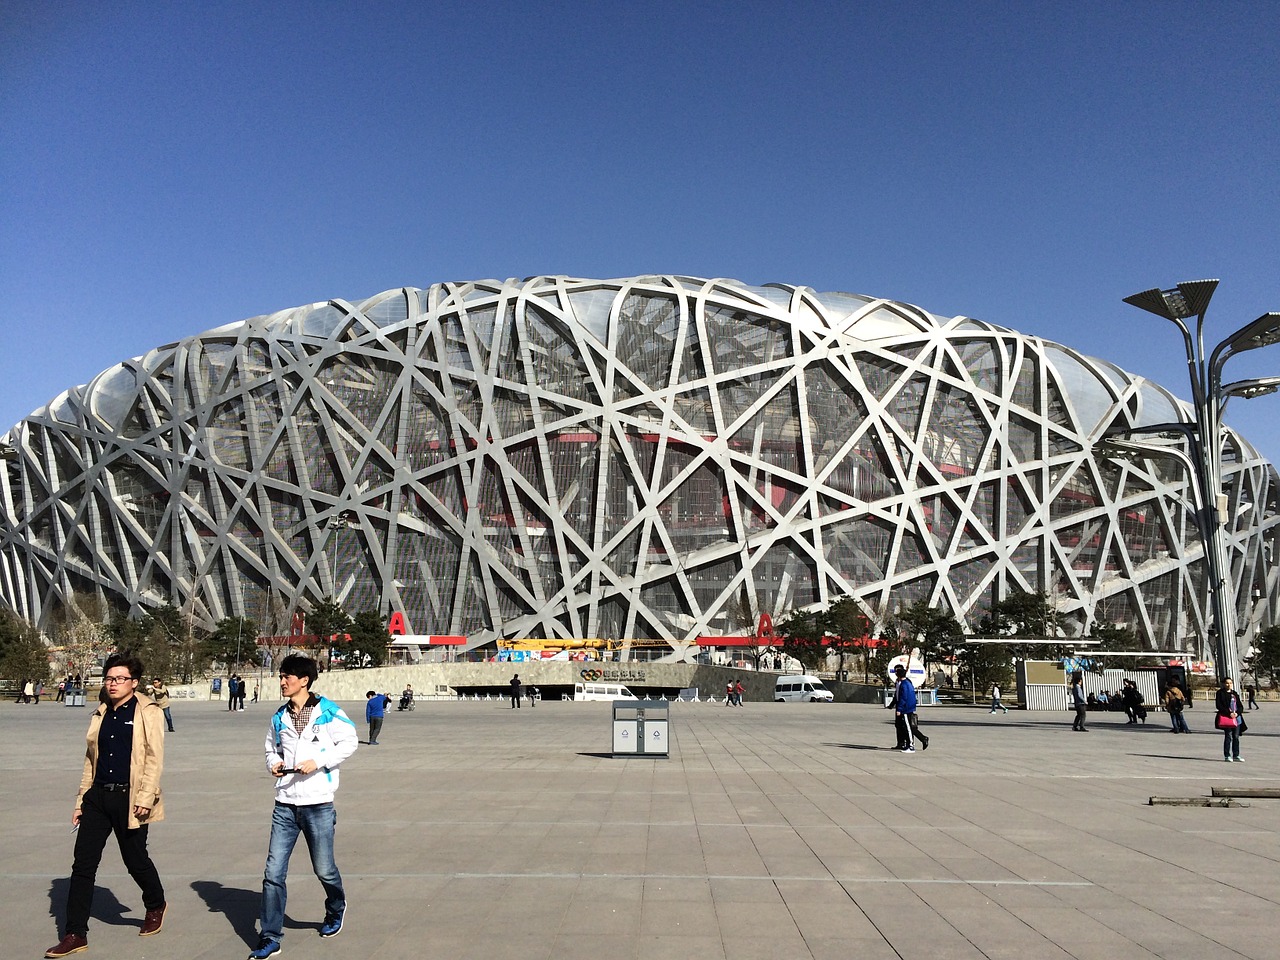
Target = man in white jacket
(308,738)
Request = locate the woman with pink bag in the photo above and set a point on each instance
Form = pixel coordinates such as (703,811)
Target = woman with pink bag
(1230,720)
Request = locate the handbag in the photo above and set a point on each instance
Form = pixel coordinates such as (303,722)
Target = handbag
(1225,723)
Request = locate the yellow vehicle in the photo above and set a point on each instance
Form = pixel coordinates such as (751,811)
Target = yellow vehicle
(558,645)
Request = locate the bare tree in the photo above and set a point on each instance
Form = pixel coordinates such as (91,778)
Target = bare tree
(80,628)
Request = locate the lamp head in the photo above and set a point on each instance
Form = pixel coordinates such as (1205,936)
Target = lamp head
(1188,299)
(1261,333)
(1258,387)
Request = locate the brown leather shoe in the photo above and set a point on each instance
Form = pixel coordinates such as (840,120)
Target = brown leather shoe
(153,921)
(71,943)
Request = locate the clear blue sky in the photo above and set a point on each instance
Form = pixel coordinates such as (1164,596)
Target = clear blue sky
(167,168)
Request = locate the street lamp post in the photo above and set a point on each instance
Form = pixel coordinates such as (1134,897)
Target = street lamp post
(340,521)
(1209,397)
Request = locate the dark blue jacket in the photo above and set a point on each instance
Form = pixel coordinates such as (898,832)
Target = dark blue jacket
(906,696)
(375,707)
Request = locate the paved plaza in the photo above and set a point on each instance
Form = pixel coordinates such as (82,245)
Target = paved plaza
(772,831)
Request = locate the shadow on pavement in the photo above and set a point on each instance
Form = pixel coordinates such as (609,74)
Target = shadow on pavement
(857,746)
(106,908)
(238,905)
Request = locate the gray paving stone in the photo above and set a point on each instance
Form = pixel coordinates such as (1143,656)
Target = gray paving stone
(476,831)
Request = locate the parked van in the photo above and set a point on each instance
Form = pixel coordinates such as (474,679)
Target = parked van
(602,691)
(801,688)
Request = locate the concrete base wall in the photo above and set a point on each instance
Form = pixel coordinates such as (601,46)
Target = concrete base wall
(640,678)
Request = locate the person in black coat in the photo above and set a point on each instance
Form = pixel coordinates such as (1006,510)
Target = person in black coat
(1230,720)
(1132,699)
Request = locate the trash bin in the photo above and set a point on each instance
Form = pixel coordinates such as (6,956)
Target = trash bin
(641,729)
(74,697)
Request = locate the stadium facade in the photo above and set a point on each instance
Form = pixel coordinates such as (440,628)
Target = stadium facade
(654,458)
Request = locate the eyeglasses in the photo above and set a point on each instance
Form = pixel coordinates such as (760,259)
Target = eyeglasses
(116,679)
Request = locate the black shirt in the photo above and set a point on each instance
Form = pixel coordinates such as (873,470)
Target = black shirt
(115,743)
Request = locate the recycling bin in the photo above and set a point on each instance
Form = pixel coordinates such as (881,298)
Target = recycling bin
(641,729)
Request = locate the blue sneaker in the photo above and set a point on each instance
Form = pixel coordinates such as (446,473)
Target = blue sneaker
(266,948)
(332,925)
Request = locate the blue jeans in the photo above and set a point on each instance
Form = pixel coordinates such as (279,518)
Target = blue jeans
(316,823)
(1231,742)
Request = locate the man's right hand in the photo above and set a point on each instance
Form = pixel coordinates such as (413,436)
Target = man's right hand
(278,769)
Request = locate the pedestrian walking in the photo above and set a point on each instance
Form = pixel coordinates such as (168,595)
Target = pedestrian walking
(309,736)
(995,699)
(1251,696)
(1174,702)
(160,693)
(1079,701)
(375,709)
(120,795)
(905,712)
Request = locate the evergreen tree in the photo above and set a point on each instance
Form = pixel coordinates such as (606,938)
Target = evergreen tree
(803,636)
(23,653)
(234,642)
(848,627)
(327,621)
(369,637)
(934,630)
(1265,659)
(1113,637)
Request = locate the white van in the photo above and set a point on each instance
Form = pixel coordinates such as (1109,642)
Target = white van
(801,688)
(602,691)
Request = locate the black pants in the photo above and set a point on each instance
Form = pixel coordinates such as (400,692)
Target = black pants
(1078,724)
(909,731)
(103,813)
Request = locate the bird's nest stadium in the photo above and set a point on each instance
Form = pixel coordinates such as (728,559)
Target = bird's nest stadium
(642,458)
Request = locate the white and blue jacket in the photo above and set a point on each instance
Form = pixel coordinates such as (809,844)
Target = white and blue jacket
(328,738)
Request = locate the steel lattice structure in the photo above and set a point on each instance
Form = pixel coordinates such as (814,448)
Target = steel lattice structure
(640,458)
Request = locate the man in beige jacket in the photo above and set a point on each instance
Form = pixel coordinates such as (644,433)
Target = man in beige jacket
(119,794)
